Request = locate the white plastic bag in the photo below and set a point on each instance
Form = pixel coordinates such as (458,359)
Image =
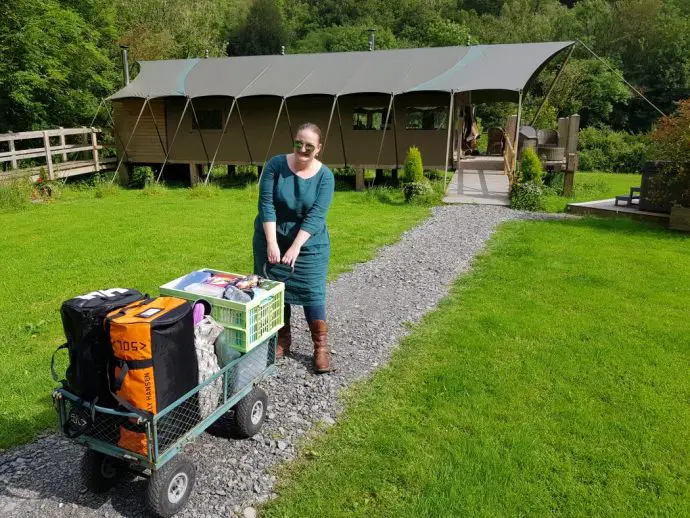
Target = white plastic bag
(205,334)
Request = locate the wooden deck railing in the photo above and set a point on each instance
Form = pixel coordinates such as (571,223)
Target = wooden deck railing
(44,154)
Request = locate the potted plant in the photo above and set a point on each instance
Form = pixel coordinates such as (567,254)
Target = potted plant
(666,184)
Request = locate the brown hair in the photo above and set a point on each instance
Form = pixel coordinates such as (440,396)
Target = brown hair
(311,127)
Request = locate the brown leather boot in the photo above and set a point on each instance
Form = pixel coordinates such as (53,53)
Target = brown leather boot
(284,341)
(319,335)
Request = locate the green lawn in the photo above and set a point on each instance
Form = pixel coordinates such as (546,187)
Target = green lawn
(591,186)
(553,380)
(80,243)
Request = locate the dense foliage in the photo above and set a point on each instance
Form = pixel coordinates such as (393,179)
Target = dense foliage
(59,58)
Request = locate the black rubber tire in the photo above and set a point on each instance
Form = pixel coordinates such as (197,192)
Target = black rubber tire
(101,472)
(250,413)
(161,491)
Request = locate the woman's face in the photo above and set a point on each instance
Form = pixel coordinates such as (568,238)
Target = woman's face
(307,146)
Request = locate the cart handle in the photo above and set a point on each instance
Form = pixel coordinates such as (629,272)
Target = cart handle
(268,266)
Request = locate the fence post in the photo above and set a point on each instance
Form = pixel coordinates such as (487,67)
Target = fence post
(12,150)
(94,144)
(49,156)
(63,144)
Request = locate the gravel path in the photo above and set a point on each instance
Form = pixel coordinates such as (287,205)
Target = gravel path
(368,309)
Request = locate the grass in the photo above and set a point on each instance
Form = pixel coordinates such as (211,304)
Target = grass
(553,380)
(591,186)
(106,237)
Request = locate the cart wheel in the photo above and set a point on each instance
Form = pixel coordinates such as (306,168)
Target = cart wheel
(250,413)
(100,472)
(170,486)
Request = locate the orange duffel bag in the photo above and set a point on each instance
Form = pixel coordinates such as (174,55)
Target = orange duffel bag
(154,358)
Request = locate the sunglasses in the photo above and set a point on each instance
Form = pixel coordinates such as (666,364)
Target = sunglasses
(298,144)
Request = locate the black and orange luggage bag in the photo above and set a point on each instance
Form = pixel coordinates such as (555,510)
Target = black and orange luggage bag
(154,359)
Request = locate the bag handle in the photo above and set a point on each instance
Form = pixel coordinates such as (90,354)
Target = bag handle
(267,266)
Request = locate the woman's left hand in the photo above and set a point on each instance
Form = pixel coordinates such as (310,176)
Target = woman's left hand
(290,256)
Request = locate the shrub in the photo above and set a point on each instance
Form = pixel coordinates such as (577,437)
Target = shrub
(602,149)
(527,196)
(670,143)
(417,191)
(414,170)
(530,167)
(141,177)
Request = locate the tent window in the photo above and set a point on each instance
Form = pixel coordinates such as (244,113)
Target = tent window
(427,118)
(369,119)
(208,119)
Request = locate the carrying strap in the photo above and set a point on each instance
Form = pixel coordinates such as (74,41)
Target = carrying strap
(52,364)
(124,366)
(123,310)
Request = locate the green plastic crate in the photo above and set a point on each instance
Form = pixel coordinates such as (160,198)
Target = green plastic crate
(247,324)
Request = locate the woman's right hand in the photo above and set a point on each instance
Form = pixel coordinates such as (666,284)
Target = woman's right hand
(273,253)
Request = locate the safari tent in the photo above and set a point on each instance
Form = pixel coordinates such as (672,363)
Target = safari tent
(371,106)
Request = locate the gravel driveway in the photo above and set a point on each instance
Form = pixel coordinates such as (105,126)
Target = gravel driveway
(367,312)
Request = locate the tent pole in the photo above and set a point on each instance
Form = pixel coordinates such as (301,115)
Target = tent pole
(553,84)
(287,112)
(225,127)
(340,124)
(246,140)
(517,133)
(115,132)
(124,151)
(450,132)
(160,173)
(383,136)
(275,127)
(328,128)
(97,111)
(395,136)
(160,139)
(201,136)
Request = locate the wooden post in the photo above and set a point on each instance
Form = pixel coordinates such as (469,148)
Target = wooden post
(63,143)
(563,123)
(13,161)
(232,170)
(359,180)
(194,176)
(573,133)
(49,156)
(394,173)
(569,175)
(94,145)
(379,177)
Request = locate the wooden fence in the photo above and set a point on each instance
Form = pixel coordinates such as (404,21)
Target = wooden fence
(72,158)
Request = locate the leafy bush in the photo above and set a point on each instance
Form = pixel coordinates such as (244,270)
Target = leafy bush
(530,167)
(414,170)
(417,191)
(204,191)
(554,180)
(602,149)
(527,196)
(141,177)
(670,143)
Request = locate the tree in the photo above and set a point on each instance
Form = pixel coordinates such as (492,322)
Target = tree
(54,69)
(263,32)
(344,39)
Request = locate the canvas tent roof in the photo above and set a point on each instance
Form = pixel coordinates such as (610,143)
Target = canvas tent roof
(497,71)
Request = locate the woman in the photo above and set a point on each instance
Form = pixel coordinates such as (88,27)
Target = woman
(295,193)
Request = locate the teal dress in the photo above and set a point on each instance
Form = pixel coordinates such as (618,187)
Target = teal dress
(296,203)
